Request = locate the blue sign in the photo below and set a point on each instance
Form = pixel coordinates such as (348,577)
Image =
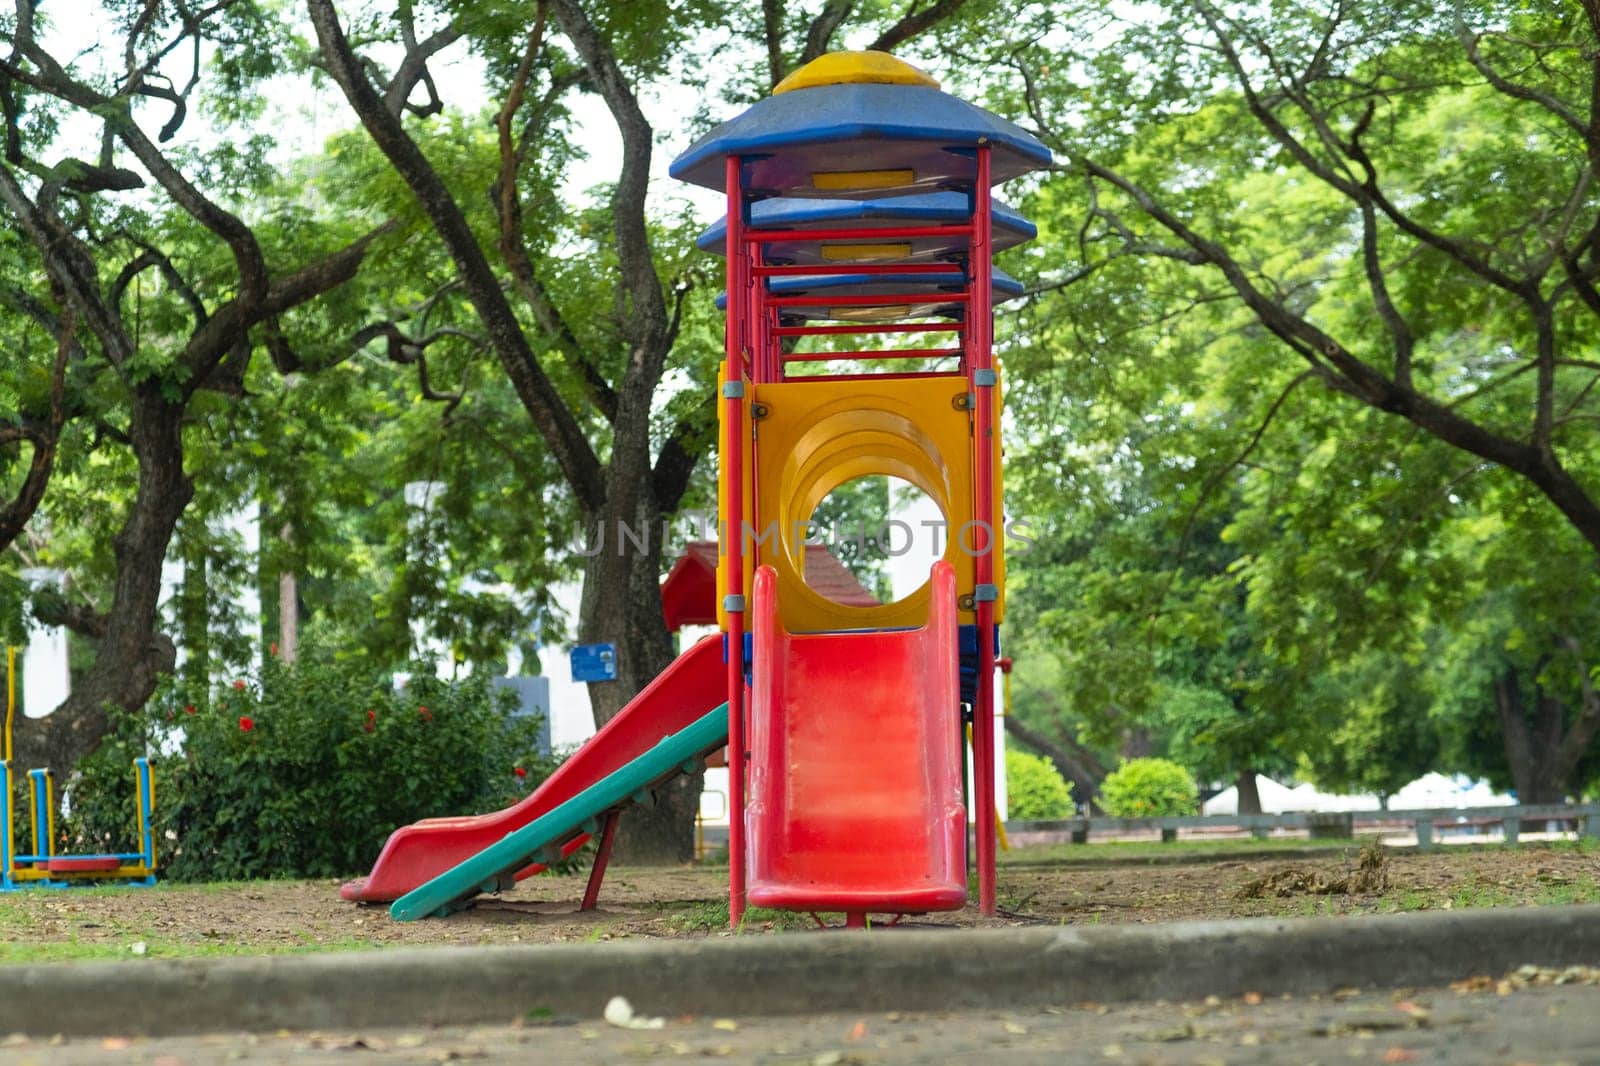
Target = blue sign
(594,662)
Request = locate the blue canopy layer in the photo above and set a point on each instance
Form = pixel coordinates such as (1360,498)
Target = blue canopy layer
(788,138)
(939,208)
(922,293)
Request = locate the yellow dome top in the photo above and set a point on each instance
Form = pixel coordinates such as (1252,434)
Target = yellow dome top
(854,68)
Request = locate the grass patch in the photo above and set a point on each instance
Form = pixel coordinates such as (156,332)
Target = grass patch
(1135,850)
(712,915)
(74,950)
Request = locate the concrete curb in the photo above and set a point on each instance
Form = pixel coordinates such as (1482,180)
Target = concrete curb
(792,973)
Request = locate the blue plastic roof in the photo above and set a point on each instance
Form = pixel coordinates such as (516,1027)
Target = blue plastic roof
(860,127)
(922,293)
(1008,228)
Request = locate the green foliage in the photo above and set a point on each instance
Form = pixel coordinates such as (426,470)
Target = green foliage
(304,770)
(1147,788)
(1035,789)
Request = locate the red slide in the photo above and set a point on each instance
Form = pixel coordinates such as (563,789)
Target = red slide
(694,684)
(855,764)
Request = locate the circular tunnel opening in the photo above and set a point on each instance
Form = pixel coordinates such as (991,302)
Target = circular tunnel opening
(871,540)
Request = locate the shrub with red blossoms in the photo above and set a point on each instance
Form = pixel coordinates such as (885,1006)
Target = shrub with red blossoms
(295,752)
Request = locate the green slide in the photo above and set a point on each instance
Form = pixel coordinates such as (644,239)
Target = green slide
(493,868)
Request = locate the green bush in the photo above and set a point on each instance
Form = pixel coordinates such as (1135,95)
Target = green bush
(303,771)
(1146,788)
(1035,788)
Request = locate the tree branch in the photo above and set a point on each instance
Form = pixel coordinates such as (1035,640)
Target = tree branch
(914,24)
(549,413)
(819,35)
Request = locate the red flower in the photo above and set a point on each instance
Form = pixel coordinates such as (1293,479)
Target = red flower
(520,772)
(372,721)
(273,649)
(238,686)
(424,714)
(246,723)
(188,708)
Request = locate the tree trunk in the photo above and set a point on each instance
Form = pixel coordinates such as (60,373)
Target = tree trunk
(1077,765)
(621,605)
(131,655)
(1249,792)
(1533,748)
(1136,743)
(288,607)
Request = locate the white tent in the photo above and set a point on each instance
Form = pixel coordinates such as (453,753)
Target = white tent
(1437,790)
(1309,798)
(1276,799)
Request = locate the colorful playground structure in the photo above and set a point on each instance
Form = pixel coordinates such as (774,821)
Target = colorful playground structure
(42,867)
(858,206)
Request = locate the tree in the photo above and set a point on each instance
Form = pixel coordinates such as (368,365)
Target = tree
(589,388)
(1397,204)
(90,241)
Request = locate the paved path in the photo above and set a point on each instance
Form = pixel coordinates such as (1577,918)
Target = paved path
(1547,1025)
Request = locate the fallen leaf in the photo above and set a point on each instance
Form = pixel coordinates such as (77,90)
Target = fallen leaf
(1399,1054)
(1015,1029)
(727,1025)
(115,1043)
(1253,998)
(138,947)
(857,1031)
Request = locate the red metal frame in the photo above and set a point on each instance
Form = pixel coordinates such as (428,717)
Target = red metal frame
(602,856)
(755,354)
(733,537)
(980,336)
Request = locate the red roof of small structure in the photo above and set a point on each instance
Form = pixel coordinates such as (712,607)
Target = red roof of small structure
(689,593)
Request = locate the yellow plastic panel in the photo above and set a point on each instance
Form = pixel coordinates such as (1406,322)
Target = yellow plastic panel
(818,435)
(853,253)
(855,68)
(849,180)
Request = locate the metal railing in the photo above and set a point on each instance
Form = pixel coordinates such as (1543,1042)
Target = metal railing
(1585,817)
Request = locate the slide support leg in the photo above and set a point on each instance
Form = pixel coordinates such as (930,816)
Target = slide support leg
(602,856)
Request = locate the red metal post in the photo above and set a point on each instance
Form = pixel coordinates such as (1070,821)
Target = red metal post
(733,534)
(980,327)
(602,855)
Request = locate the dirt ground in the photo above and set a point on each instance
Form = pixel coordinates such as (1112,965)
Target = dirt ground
(691,901)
